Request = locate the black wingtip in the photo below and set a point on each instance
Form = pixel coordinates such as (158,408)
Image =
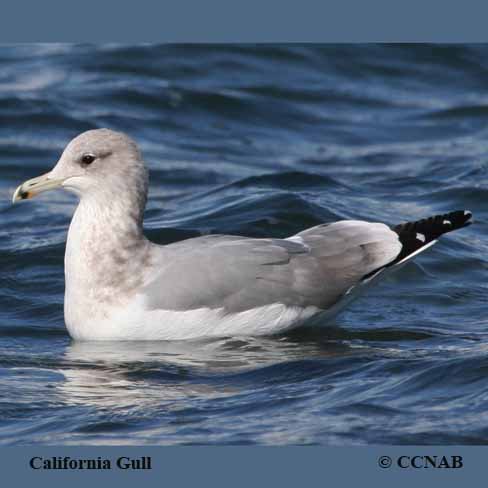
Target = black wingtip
(468,215)
(435,226)
(457,219)
(415,235)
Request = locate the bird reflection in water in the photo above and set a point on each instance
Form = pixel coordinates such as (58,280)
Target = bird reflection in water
(136,375)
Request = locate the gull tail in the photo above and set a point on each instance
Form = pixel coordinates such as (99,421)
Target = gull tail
(418,236)
(415,237)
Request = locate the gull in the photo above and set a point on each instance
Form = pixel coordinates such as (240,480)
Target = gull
(121,286)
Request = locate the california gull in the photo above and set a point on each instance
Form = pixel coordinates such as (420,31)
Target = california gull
(121,286)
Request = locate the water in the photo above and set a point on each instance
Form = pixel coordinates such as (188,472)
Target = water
(260,141)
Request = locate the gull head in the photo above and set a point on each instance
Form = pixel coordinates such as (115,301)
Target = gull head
(97,162)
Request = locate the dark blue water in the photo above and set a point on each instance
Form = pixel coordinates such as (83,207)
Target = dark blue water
(261,141)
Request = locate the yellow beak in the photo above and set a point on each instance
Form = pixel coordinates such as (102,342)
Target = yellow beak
(31,188)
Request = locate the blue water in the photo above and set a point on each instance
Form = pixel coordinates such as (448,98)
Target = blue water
(261,141)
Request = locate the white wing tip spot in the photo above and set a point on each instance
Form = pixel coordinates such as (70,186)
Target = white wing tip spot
(420,237)
(446,222)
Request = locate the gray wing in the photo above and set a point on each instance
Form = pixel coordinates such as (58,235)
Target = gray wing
(315,267)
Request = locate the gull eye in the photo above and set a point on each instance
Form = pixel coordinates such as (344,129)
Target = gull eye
(87,159)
